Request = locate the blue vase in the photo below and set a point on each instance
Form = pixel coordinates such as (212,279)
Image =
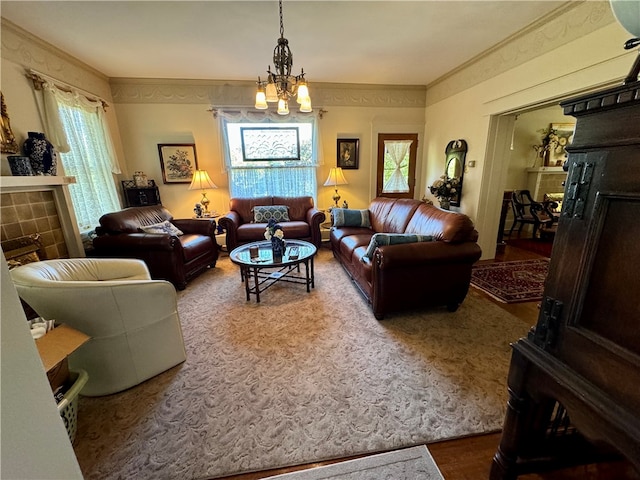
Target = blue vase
(277,249)
(20,166)
(43,156)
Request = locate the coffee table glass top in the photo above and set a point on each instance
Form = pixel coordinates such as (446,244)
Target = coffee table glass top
(243,254)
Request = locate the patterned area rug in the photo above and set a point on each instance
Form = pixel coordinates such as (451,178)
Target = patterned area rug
(512,282)
(300,378)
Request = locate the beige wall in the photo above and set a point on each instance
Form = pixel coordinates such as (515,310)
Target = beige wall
(144,125)
(591,61)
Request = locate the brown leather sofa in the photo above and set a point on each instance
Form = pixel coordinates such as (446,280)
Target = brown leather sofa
(409,275)
(304,218)
(168,257)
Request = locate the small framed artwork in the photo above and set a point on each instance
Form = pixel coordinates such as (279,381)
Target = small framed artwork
(557,152)
(178,161)
(348,153)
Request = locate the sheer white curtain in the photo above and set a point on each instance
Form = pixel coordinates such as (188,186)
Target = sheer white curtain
(265,178)
(77,128)
(397,150)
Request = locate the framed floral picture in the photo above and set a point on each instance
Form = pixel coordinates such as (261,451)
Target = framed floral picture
(178,162)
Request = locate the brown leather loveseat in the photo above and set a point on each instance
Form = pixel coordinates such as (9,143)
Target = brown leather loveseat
(241,225)
(434,269)
(169,255)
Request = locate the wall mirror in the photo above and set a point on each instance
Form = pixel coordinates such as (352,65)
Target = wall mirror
(456,152)
(8,144)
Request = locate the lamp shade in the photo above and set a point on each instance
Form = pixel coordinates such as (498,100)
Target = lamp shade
(336,177)
(201,181)
(627,13)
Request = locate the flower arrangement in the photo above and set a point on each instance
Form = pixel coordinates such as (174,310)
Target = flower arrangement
(274,233)
(551,143)
(273,230)
(445,187)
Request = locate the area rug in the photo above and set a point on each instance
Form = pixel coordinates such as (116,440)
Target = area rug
(300,378)
(512,282)
(413,463)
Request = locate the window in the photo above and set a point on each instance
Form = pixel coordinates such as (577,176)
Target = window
(88,159)
(269,157)
(76,127)
(397,164)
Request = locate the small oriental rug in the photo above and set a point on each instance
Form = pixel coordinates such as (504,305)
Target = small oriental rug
(512,282)
(413,463)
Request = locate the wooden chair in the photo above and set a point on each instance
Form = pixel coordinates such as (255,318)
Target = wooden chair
(526,211)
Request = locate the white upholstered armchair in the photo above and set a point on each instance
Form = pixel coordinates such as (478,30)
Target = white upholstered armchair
(132,320)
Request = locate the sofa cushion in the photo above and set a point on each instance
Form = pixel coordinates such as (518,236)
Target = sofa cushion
(264,213)
(382,239)
(344,217)
(162,228)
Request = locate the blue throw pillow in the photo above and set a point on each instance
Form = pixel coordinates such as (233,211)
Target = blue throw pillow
(262,214)
(344,217)
(381,239)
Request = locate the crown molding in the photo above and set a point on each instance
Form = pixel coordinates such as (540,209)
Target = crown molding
(563,25)
(30,51)
(237,93)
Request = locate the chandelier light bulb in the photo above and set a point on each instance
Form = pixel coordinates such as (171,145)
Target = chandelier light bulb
(283,107)
(303,93)
(272,93)
(305,107)
(261,99)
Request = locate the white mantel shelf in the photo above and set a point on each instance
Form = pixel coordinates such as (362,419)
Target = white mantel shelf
(546,170)
(34,181)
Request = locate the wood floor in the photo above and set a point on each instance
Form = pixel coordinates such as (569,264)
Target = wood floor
(470,458)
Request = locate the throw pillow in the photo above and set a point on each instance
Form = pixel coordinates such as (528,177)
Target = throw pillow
(344,217)
(280,213)
(163,227)
(381,239)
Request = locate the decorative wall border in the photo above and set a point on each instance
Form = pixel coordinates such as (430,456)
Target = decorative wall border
(563,25)
(32,52)
(229,93)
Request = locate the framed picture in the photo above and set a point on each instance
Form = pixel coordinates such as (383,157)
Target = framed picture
(178,162)
(558,154)
(348,153)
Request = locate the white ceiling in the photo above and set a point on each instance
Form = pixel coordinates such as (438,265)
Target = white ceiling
(375,42)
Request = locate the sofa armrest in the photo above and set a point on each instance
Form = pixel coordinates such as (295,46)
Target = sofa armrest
(230,222)
(136,241)
(196,226)
(314,218)
(426,253)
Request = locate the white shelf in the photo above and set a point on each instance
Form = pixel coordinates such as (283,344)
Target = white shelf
(546,170)
(34,181)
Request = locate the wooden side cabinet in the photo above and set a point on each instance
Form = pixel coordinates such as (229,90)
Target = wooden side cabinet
(574,382)
(140,196)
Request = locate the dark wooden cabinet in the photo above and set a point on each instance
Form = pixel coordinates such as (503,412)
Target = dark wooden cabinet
(135,196)
(574,382)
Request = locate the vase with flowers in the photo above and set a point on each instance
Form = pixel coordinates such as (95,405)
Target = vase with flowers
(551,144)
(444,189)
(274,233)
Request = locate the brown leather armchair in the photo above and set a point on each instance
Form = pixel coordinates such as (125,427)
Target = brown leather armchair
(176,258)
(304,220)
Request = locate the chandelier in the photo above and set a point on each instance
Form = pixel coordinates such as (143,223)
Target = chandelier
(280,85)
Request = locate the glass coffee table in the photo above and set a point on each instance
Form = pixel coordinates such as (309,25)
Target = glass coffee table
(259,271)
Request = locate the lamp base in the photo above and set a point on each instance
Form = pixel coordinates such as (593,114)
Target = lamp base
(205,204)
(336,199)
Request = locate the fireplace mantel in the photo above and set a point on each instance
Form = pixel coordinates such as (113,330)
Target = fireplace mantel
(59,185)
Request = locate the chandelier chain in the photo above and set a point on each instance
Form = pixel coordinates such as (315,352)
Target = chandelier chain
(281,21)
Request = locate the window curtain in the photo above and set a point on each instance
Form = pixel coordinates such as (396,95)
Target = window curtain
(79,128)
(248,179)
(397,150)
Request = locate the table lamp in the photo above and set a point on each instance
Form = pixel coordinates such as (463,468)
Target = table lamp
(335,178)
(202,181)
